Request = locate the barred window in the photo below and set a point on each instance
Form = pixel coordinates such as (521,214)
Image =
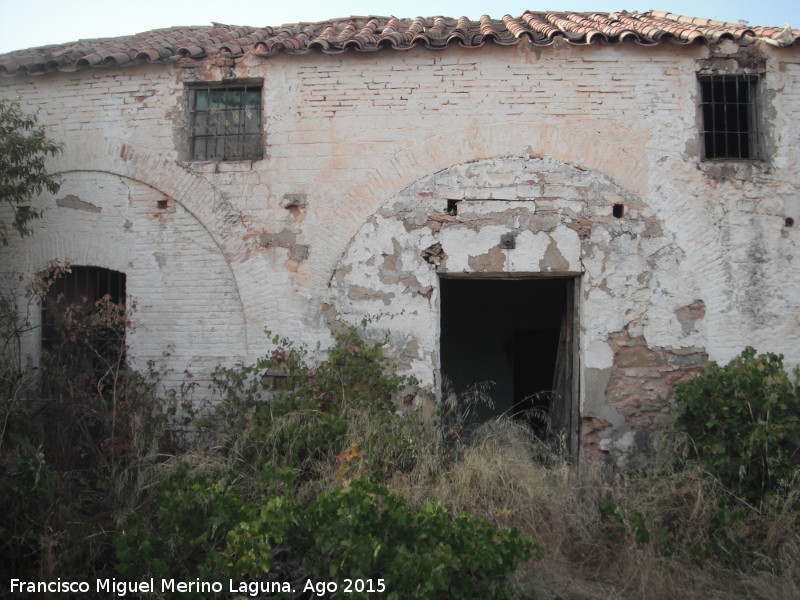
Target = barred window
(79,290)
(730,122)
(83,324)
(226,122)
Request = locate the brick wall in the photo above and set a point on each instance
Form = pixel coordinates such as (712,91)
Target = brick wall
(558,134)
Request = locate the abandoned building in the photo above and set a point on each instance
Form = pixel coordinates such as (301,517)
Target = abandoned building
(579,207)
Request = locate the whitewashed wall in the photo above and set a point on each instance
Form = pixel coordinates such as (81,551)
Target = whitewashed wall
(361,154)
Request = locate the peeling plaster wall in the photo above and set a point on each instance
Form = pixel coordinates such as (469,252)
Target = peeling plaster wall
(346,214)
(561,218)
(186,301)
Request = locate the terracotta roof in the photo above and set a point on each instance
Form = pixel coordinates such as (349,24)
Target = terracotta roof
(369,34)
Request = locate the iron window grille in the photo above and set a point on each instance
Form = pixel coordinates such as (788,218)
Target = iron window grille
(730,121)
(226,122)
(70,306)
(82,286)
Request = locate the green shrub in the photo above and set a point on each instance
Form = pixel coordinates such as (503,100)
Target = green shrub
(180,531)
(200,526)
(364,535)
(282,410)
(743,420)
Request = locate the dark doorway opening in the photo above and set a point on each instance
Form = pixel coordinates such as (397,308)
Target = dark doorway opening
(517,334)
(81,287)
(84,324)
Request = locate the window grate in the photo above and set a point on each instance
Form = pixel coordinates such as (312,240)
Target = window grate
(83,286)
(226,122)
(730,126)
(78,334)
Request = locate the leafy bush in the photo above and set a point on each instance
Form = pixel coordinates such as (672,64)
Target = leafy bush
(362,532)
(24,146)
(181,530)
(284,411)
(743,420)
(201,526)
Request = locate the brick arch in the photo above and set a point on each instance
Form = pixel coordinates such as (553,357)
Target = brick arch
(680,214)
(469,144)
(220,217)
(392,262)
(642,313)
(188,302)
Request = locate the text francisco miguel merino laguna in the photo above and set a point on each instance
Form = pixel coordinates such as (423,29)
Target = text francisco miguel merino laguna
(121,588)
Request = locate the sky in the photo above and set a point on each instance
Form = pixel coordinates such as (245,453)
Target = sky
(25,24)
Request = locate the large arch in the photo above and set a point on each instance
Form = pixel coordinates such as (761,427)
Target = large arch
(186,308)
(686,219)
(193,188)
(640,312)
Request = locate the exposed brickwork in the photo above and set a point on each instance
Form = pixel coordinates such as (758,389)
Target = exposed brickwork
(346,216)
(641,383)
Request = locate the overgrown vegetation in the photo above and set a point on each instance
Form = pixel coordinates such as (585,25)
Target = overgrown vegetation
(79,435)
(274,482)
(744,423)
(301,473)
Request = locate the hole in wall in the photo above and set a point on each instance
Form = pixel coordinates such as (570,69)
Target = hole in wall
(162,204)
(618,211)
(452,207)
(789,222)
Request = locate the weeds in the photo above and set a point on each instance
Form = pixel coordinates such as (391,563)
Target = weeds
(303,472)
(79,436)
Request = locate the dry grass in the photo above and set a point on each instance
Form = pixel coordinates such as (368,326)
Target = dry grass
(646,549)
(639,537)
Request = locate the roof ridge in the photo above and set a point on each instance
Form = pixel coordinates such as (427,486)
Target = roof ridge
(372,33)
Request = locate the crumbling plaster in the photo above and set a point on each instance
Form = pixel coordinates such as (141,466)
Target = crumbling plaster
(162,248)
(631,280)
(345,216)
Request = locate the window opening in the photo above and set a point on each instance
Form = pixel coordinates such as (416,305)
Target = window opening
(518,336)
(730,124)
(83,322)
(226,122)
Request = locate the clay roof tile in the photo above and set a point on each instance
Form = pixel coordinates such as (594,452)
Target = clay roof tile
(372,33)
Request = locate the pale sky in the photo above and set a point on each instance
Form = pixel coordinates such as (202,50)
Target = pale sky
(25,24)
